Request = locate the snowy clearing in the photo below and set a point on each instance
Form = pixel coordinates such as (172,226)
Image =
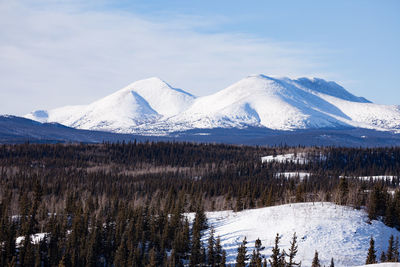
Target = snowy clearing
(335,231)
(288,175)
(374,178)
(300,158)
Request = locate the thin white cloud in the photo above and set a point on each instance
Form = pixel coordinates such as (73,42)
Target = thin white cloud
(52,55)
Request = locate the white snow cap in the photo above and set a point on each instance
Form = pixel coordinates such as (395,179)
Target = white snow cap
(152,106)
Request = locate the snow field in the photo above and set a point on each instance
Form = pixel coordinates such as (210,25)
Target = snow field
(334,231)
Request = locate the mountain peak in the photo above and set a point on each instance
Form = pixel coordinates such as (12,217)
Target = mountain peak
(263,76)
(155,85)
(152,82)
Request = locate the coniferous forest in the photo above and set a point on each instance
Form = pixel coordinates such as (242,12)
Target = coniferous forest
(124,204)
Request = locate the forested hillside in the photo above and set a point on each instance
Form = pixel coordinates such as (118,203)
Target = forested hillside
(124,204)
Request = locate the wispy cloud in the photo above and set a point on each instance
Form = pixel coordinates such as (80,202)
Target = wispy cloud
(54,54)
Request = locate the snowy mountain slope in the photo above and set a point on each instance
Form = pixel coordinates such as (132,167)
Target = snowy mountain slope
(260,101)
(368,115)
(329,88)
(285,104)
(334,231)
(153,107)
(144,101)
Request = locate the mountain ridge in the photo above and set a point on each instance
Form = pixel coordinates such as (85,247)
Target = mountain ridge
(153,107)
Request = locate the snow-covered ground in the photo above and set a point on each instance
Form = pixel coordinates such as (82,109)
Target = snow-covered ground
(301,175)
(376,177)
(334,231)
(298,158)
(151,106)
(35,239)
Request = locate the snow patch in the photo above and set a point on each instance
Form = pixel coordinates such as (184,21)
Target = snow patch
(299,158)
(374,177)
(289,175)
(35,239)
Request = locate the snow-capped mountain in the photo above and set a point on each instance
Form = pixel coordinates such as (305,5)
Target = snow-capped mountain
(142,102)
(151,106)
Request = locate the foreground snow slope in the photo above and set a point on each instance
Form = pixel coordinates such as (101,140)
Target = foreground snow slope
(335,231)
(151,106)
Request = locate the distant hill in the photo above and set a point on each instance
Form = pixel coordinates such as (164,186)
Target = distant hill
(20,130)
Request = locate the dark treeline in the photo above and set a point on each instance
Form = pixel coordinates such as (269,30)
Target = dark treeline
(218,176)
(123,203)
(118,235)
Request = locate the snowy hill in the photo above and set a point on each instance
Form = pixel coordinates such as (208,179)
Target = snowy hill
(142,102)
(153,107)
(334,231)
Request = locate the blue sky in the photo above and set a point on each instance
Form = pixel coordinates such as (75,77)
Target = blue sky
(55,53)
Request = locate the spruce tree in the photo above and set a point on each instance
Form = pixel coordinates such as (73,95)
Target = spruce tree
(256,259)
(389,217)
(343,191)
(242,257)
(27,252)
(197,254)
(211,253)
(200,220)
(371,257)
(315,262)
(38,257)
(195,251)
(186,238)
(292,252)
(274,261)
(383,257)
(218,252)
(8,234)
(94,244)
(391,250)
(53,241)
(396,250)
(239,204)
(223,258)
